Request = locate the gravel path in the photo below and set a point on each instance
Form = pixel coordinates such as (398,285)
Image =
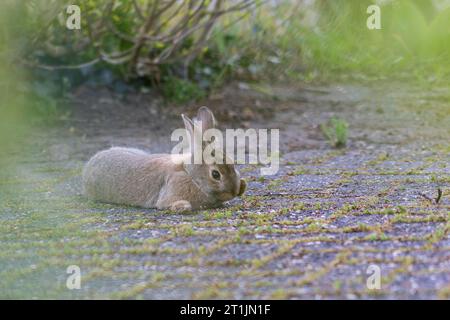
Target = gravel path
(310,231)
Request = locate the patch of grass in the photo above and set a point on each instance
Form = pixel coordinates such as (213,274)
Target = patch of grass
(283,249)
(298,171)
(337,285)
(184,230)
(359,228)
(444,293)
(314,275)
(412,219)
(221,214)
(383,156)
(138,289)
(313,228)
(216,291)
(387,211)
(336,132)
(377,236)
(440,180)
(440,233)
(275,184)
(298,206)
(261,179)
(279,294)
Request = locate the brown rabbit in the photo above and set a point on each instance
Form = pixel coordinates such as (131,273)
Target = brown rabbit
(134,177)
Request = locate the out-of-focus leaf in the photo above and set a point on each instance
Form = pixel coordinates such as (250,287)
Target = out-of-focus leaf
(407,25)
(438,40)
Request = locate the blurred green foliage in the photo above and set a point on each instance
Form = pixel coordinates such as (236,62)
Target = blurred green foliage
(330,39)
(414,41)
(15,102)
(179,90)
(279,40)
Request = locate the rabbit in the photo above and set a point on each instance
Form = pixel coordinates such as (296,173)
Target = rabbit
(133,177)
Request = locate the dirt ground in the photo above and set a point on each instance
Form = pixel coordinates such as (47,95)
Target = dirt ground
(309,232)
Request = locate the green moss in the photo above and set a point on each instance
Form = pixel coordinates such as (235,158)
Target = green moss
(279,294)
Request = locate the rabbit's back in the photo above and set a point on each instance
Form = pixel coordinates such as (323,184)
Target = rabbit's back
(124,175)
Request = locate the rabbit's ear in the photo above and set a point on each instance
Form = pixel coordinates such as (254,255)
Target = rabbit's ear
(188,124)
(207,118)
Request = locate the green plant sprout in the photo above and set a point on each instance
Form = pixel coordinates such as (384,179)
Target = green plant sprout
(336,131)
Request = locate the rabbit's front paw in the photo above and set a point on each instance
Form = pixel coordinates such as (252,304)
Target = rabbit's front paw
(181,205)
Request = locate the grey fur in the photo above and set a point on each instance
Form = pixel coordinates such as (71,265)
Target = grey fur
(134,177)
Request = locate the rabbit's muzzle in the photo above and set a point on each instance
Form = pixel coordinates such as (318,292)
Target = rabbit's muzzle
(237,191)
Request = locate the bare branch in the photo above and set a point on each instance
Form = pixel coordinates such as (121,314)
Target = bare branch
(157,32)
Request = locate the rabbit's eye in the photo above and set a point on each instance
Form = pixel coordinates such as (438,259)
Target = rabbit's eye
(215,174)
